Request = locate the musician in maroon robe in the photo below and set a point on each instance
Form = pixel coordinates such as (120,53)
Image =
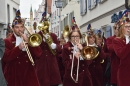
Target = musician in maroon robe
(95,68)
(84,76)
(17,68)
(47,66)
(114,60)
(121,47)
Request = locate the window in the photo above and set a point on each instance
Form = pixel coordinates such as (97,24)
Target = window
(107,31)
(14,12)
(8,13)
(93,3)
(57,12)
(83,7)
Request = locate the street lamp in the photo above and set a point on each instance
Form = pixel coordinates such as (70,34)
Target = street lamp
(127,4)
(59,4)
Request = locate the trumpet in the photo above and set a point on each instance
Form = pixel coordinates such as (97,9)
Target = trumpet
(34,40)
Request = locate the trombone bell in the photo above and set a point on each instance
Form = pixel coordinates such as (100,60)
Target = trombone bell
(35,40)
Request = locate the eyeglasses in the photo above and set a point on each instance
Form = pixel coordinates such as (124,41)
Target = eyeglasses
(74,36)
(127,27)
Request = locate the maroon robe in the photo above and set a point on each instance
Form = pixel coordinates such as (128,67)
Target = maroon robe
(122,50)
(113,59)
(60,64)
(47,66)
(17,67)
(96,68)
(84,77)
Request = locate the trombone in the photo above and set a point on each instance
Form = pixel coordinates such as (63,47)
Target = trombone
(34,40)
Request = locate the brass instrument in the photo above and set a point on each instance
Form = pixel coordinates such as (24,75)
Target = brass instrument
(34,40)
(89,52)
(44,28)
(66,31)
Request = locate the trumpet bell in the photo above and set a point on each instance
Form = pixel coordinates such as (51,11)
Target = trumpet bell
(35,40)
(89,53)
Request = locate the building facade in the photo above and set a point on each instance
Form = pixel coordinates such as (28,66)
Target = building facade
(55,19)
(99,14)
(39,11)
(8,10)
(70,9)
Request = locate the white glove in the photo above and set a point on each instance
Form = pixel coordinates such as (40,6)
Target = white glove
(53,46)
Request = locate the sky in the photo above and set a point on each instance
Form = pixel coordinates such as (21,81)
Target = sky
(25,7)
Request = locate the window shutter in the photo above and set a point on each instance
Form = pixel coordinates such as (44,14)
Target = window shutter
(108,31)
(95,2)
(81,8)
(95,31)
(85,7)
(99,0)
(89,4)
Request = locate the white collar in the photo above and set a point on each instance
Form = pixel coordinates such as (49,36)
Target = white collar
(92,44)
(126,36)
(127,39)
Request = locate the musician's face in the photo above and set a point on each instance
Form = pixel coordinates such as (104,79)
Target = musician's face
(127,29)
(91,40)
(75,37)
(18,28)
(98,41)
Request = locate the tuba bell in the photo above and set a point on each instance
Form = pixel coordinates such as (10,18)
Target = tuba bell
(89,52)
(66,31)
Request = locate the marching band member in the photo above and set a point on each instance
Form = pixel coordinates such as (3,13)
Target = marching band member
(101,41)
(121,47)
(84,77)
(17,67)
(114,60)
(47,67)
(59,59)
(95,67)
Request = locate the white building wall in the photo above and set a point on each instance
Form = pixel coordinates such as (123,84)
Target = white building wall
(39,11)
(55,23)
(14,4)
(72,6)
(100,16)
(4,14)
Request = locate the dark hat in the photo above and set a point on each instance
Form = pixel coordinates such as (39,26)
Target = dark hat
(43,17)
(74,26)
(17,19)
(89,30)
